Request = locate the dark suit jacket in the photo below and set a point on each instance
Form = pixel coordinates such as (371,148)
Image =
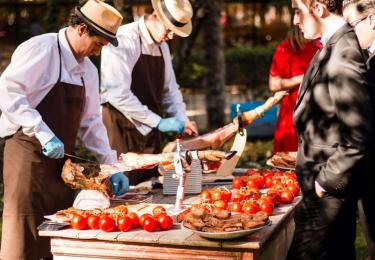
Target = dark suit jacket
(332,116)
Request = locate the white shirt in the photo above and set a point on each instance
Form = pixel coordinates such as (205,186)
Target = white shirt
(33,71)
(116,77)
(371,49)
(333,28)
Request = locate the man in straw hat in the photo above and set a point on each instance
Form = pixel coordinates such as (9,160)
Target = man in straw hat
(360,14)
(332,118)
(48,97)
(139,84)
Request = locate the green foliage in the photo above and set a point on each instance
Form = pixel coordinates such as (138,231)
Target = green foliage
(245,66)
(248,66)
(52,16)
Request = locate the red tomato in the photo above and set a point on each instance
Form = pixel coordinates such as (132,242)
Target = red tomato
(121,210)
(267,199)
(287,196)
(260,181)
(205,195)
(268,182)
(291,174)
(124,223)
(226,193)
(150,224)
(251,183)
(93,222)
(221,204)
(275,197)
(276,181)
(217,195)
(250,207)
(265,206)
(293,188)
(237,183)
(236,207)
(143,218)
(267,173)
(159,210)
(237,197)
(279,173)
(250,172)
(78,222)
(107,223)
(134,219)
(165,222)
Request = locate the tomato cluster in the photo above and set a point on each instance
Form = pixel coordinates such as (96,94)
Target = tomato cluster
(246,196)
(122,220)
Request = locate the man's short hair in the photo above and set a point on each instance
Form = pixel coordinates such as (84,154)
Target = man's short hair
(75,20)
(346,3)
(364,7)
(333,6)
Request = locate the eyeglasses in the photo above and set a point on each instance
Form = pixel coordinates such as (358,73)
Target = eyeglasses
(356,22)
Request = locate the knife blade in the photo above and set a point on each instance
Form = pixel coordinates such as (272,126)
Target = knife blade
(80,158)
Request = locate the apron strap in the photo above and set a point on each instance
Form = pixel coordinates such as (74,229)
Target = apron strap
(59,48)
(140,44)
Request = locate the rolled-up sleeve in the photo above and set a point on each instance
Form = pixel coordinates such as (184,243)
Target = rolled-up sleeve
(31,69)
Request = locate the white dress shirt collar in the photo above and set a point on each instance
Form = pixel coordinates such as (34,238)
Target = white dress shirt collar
(333,28)
(70,62)
(371,49)
(144,31)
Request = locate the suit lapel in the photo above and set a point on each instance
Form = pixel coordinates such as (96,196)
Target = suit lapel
(309,76)
(317,62)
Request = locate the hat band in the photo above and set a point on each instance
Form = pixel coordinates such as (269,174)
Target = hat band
(95,25)
(170,17)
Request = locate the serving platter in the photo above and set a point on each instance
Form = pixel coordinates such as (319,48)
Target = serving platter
(269,163)
(228,234)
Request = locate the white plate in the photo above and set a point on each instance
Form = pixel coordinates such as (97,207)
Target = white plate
(269,163)
(226,235)
(58,219)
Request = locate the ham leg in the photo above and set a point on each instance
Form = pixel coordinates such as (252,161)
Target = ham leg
(95,177)
(217,138)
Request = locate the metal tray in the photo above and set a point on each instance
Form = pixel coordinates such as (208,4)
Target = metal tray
(226,235)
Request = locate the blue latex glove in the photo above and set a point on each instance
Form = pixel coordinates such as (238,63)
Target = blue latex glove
(171,124)
(120,183)
(54,148)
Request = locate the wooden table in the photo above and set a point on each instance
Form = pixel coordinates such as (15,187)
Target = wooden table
(271,242)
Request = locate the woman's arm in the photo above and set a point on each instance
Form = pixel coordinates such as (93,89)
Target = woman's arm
(277,83)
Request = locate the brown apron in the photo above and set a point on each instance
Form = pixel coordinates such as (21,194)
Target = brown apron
(32,183)
(147,85)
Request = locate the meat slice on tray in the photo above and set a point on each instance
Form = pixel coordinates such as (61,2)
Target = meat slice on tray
(223,221)
(88,176)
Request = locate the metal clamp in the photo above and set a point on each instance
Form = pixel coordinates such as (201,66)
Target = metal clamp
(240,121)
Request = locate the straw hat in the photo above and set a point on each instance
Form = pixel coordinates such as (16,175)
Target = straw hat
(102,17)
(175,14)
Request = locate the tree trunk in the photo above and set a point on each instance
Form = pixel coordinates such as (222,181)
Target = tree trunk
(126,10)
(215,64)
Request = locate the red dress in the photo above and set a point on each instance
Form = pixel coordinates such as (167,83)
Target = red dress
(286,64)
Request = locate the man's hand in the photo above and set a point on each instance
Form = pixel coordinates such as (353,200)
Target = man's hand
(120,183)
(171,124)
(320,192)
(191,128)
(54,148)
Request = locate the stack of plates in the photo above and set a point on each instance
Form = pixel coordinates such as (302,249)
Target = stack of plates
(193,182)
